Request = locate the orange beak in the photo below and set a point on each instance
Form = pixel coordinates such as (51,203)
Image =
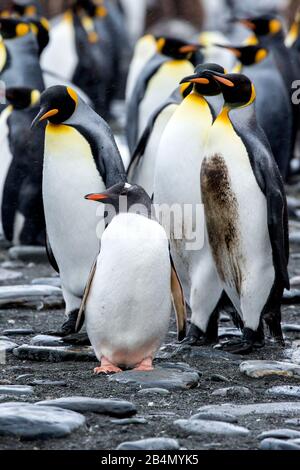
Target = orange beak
(50,113)
(224,81)
(96,197)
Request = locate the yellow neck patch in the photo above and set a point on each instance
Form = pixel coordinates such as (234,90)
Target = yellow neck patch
(3,55)
(73,94)
(101,11)
(251,40)
(22,29)
(160,44)
(261,55)
(237,68)
(275,26)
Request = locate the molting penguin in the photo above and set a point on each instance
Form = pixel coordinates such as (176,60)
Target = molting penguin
(177,184)
(127,317)
(246,214)
(160,76)
(80,153)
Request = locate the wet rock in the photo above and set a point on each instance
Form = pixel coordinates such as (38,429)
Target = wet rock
(37,422)
(18,332)
(197,426)
(291,297)
(127,421)
(293,421)
(118,408)
(46,340)
(16,295)
(295,237)
(22,377)
(276,408)
(226,418)
(232,392)
(15,390)
(49,383)
(219,378)
(155,443)
(36,254)
(295,281)
(54,354)
(284,391)
(289,328)
(229,332)
(153,391)
(258,369)
(168,378)
(7,346)
(280,434)
(47,281)
(278,444)
(9,275)
(12,264)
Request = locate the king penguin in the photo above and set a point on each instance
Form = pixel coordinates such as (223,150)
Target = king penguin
(127,316)
(177,186)
(80,155)
(246,214)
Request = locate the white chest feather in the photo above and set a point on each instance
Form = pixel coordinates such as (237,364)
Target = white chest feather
(5,153)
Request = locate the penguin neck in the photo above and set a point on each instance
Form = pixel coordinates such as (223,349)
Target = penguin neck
(238,68)
(3,55)
(224,115)
(293,34)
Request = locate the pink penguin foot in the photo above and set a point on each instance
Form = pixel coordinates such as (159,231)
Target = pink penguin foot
(145,365)
(106,367)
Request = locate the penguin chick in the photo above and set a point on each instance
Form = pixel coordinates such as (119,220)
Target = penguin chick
(127,301)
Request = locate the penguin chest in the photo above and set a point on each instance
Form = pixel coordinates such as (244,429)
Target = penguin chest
(6,156)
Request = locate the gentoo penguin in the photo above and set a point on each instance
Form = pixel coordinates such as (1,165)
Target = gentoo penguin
(127,301)
(174,59)
(80,153)
(273,103)
(142,166)
(177,187)
(246,213)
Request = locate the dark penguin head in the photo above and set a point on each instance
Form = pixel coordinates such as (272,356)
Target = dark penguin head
(267,25)
(25,7)
(135,199)
(22,97)
(248,55)
(175,48)
(57,103)
(204,84)
(11,28)
(238,91)
(40,28)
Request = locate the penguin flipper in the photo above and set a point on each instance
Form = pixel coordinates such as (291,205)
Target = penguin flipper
(80,317)
(178,302)
(50,255)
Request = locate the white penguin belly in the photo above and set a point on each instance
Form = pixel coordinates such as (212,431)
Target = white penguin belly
(6,156)
(69,174)
(160,86)
(129,304)
(236,214)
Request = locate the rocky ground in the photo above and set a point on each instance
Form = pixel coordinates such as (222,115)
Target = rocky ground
(237,403)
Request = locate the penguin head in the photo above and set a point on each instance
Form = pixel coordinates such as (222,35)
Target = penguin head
(40,28)
(204,84)
(268,25)
(137,200)
(175,48)
(57,103)
(237,89)
(248,55)
(25,7)
(22,97)
(11,28)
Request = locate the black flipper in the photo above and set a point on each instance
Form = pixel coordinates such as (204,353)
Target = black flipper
(50,255)
(80,317)
(178,302)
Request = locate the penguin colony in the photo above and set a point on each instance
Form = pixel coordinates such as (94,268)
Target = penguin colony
(217,138)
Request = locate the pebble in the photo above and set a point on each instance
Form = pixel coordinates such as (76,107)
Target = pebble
(12,264)
(154,443)
(127,421)
(51,383)
(226,418)
(18,331)
(219,378)
(197,426)
(22,293)
(7,346)
(295,237)
(280,434)
(273,408)
(232,392)
(118,408)
(54,354)
(9,275)
(284,391)
(47,281)
(293,421)
(46,340)
(295,281)
(278,444)
(24,376)
(289,328)
(259,369)
(37,422)
(168,378)
(153,391)
(291,296)
(16,390)
(35,254)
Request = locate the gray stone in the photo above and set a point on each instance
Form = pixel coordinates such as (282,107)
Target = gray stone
(127,421)
(258,369)
(278,444)
(23,376)
(18,331)
(276,408)
(235,391)
(36,254)
(153,391)
(280,434)
(12,264)
(9,275)
(22,293)
(219,378)
(293,421)
(7,346)
(289,328)
(47,281)
(170,379)
(197,426)
(154,443)
(55,354)
(226,418)
(118,408)
(284,391)
(37,422)
(46,340)
(295,281)
(49,383)
(15,390)
(295,237)
(291,297)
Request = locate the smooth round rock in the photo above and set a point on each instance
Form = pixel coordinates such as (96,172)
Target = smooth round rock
(47,281)
(9,275)
(284,391)
(291,297)
(226,418)
(37,422)
(153,391)
(7,346)
(36,254)
(277,444)
(293,421)
(46,340)
(127,421)
(258,369)
(197,426)
(280,434)
(49,383)
(219,378)
(18,332)
(55,354)
(159,443)
(16,390)
(119,408)
(290,328)
(276,408)
(235,391)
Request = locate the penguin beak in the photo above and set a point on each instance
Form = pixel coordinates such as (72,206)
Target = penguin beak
(101,197)
(190,48)
(222,79)
(195,79)
(43,114)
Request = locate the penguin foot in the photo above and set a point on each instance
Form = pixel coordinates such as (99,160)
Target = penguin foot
(196,337)
(106,367)
(145,365)
(68,327)
(245,345)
